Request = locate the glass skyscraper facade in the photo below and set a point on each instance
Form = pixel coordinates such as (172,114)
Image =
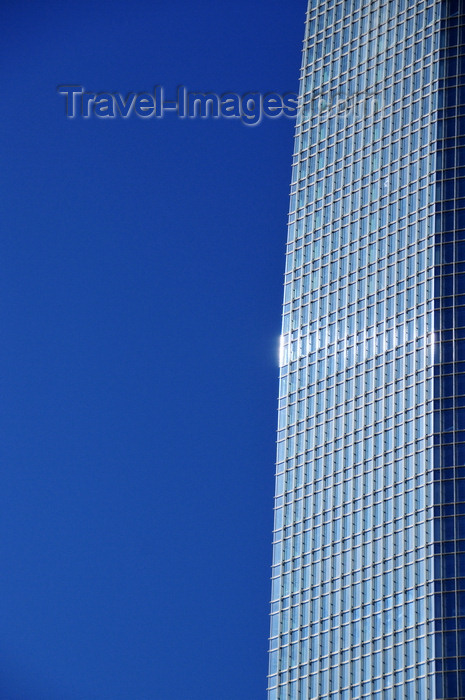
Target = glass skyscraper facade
(368,573)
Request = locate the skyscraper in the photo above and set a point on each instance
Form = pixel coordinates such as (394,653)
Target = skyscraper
(368,574)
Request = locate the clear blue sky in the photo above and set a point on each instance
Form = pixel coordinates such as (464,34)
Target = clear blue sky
(141,266)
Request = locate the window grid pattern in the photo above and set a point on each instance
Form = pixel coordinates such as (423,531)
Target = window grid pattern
(449,381)
(352,580)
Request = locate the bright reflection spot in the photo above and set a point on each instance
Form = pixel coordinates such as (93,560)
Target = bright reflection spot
(431,341)
(281,351)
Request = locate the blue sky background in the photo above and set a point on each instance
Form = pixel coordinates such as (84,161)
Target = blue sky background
(141,267)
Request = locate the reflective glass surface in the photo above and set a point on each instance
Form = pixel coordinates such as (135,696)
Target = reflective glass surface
(449,369)
(353,591)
